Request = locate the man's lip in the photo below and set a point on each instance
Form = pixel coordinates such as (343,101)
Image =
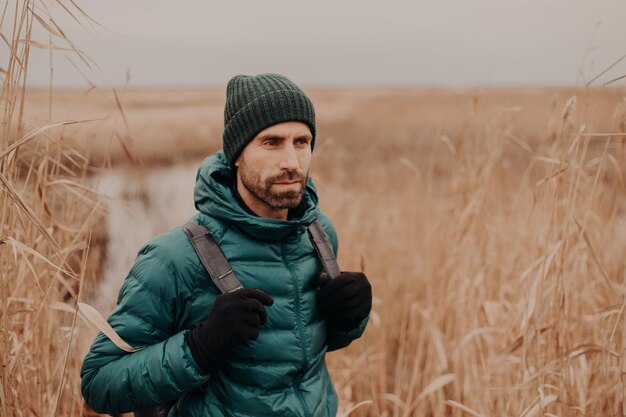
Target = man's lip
(288,182)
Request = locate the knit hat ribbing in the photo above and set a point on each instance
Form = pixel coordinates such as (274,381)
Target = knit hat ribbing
(254,103)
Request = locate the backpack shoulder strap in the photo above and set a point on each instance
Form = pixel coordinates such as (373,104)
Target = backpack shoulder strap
(220,270)
(323,249)
(212,257)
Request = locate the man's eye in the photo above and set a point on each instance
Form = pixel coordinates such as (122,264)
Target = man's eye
(302,141)
(271,142)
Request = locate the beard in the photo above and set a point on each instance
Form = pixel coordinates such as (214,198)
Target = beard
(262,189)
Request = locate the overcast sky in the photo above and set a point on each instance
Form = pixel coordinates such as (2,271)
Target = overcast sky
(202,43)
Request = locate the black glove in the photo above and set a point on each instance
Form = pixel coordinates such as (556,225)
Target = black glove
(344,301)
(234,318)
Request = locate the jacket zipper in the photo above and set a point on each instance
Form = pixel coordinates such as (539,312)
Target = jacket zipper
(296,390)
(300,331)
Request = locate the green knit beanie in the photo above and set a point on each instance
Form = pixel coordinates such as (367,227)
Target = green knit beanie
(254,103)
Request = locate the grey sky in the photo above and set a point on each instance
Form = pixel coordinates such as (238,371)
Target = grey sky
(199,43)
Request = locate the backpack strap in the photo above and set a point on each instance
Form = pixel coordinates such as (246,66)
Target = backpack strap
(220,270)
(212,257)
(323,249)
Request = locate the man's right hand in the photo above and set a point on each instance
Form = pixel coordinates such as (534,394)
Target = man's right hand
(234,318)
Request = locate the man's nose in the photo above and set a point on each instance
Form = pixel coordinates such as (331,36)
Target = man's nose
(289,160)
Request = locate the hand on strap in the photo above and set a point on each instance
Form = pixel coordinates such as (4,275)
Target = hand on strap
(344,301)
(235,318)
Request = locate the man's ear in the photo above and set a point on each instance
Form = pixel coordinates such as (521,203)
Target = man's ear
(236,163)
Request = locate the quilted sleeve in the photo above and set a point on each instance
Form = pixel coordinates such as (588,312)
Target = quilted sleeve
(114,381)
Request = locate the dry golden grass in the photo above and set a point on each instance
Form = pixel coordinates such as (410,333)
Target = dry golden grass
(168,126)
(498,260)
(492,225)
(47,216)
(493,232)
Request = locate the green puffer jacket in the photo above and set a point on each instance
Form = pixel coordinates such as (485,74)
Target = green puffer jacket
(167,291)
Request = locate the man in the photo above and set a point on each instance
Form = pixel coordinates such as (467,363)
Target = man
(260,350)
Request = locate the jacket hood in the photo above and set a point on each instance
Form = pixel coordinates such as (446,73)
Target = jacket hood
(214,197)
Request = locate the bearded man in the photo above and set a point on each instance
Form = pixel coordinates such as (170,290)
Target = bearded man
(259,350)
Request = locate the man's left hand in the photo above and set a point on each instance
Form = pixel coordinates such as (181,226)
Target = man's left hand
(344,301)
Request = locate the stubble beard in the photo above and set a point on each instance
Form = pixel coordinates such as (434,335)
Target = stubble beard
(262,190)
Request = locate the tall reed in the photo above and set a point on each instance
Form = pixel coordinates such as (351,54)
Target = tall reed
(500,281)
(46,214)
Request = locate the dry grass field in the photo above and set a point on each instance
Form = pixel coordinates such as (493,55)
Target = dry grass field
(491,222)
